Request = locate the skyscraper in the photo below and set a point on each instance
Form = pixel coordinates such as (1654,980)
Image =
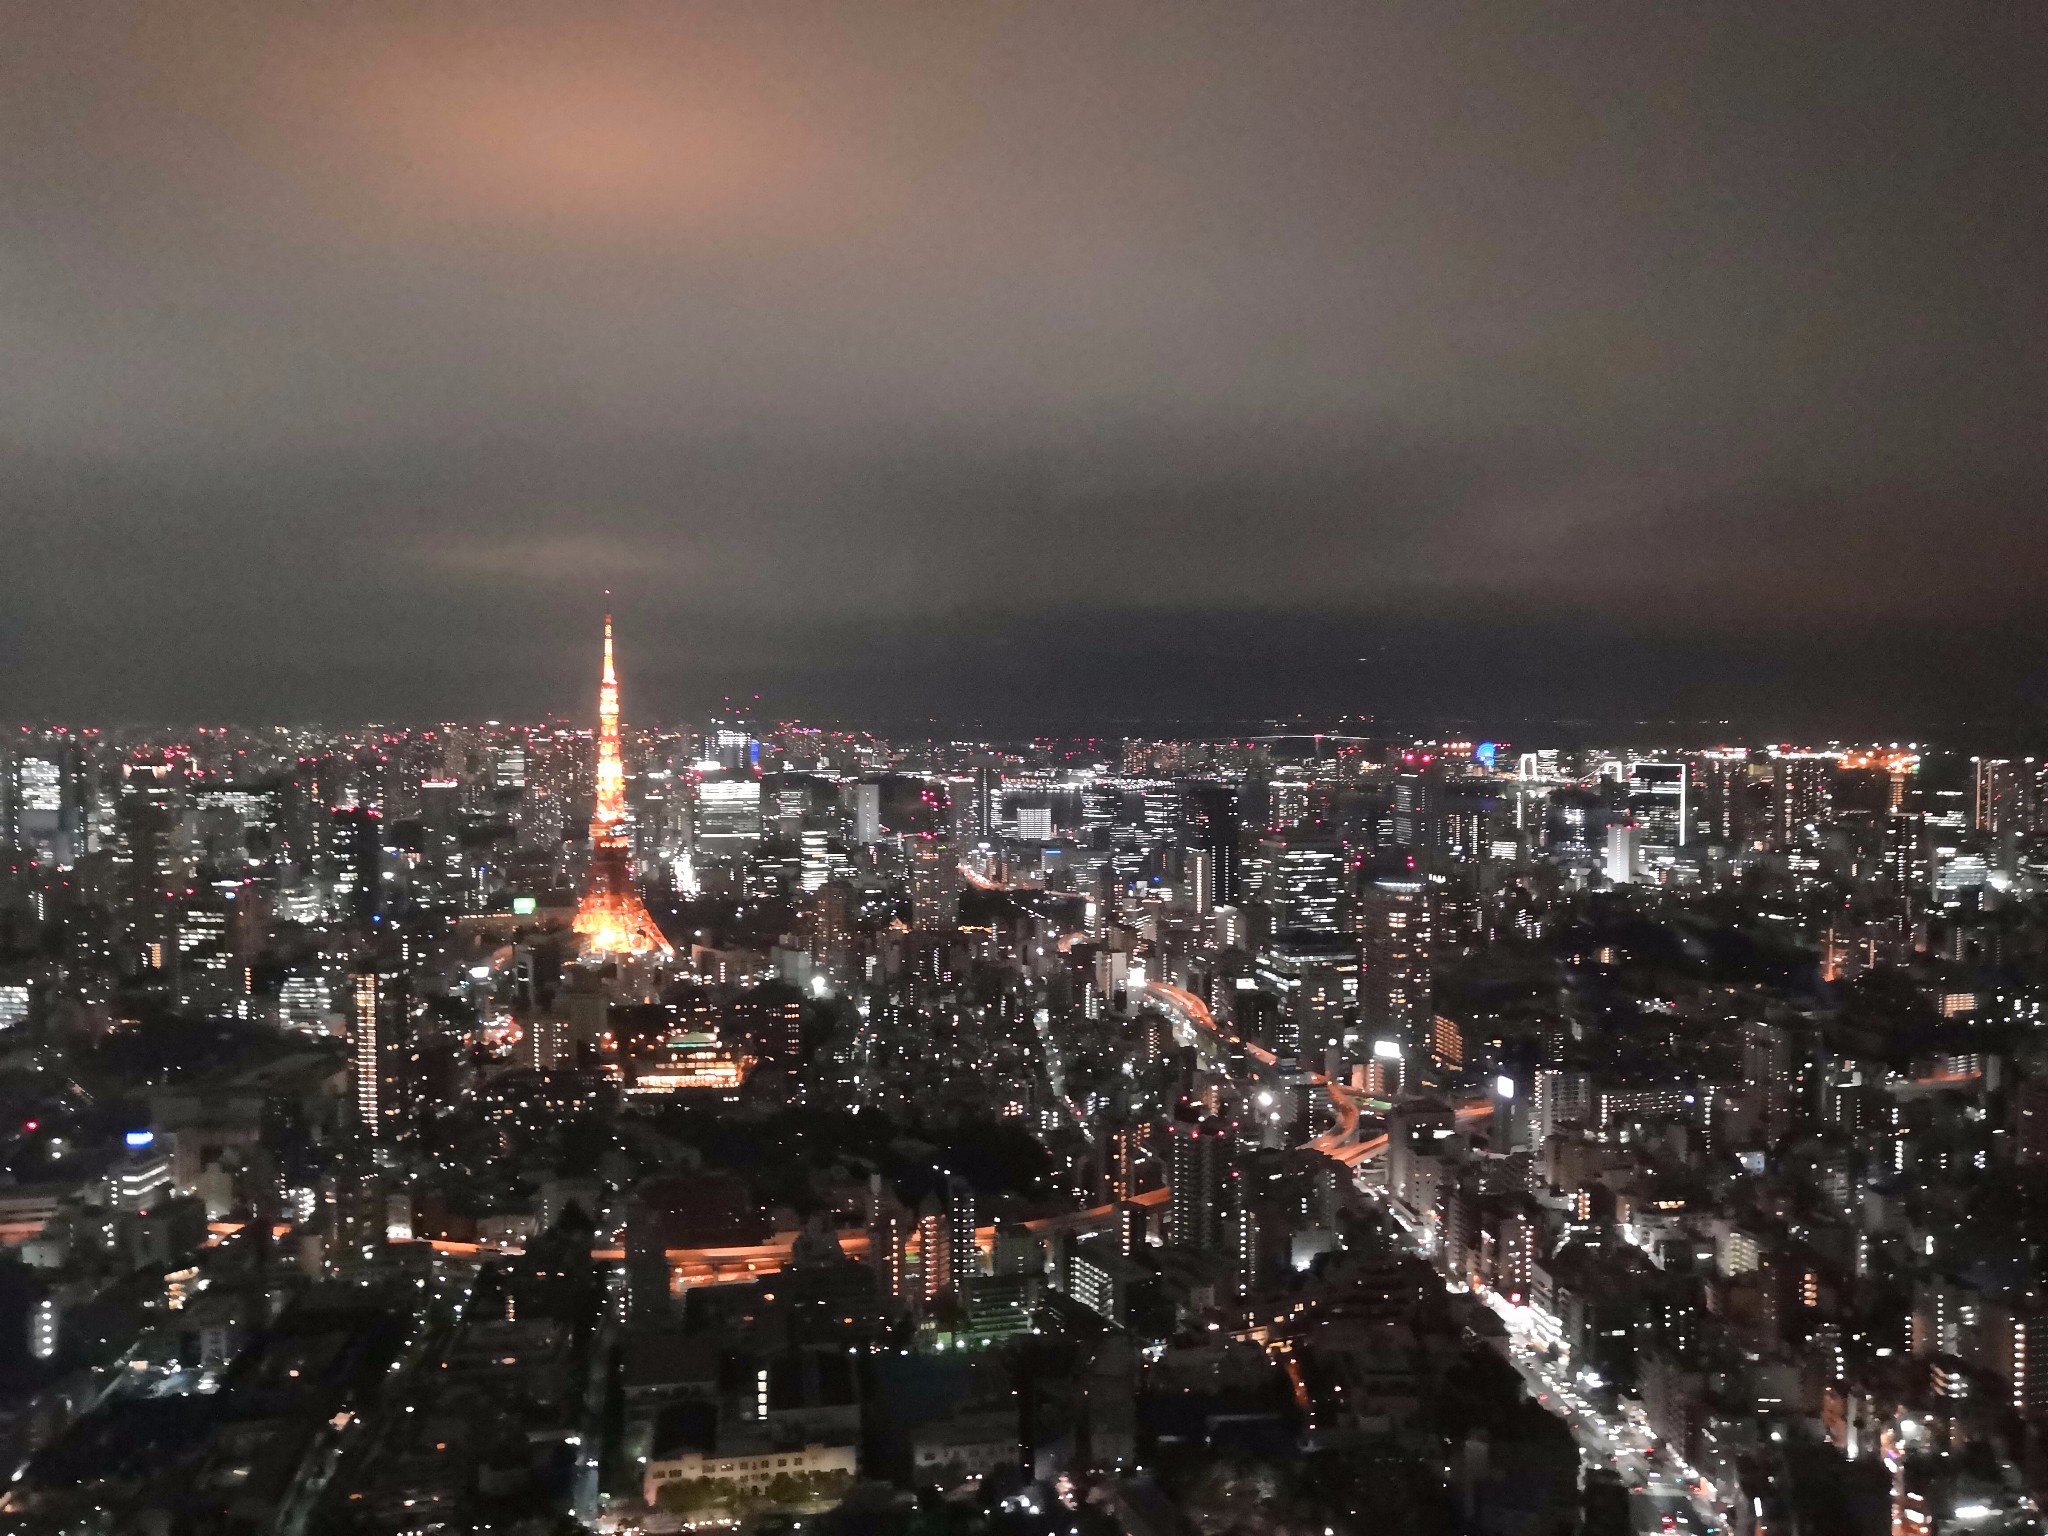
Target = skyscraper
(889,1229)
(1624,851)
(1198,1181)
(42,806)
(988,793)
(1418,808)
(963,1256)
(2002,796)
(356,844)
(946,1243)
(864,801)
(1659,802)
(934,882)
(728,816)
(1802,787)
(1313,979)
(1307,887)
(1726,790)
(1210,812)
(1393,925)
(729,742)
(379,1053)
(612,916)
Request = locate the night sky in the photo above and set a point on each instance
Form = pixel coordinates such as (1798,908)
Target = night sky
(1062,364)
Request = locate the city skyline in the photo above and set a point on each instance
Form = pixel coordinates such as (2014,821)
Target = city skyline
(1656,1108)
(1317,800)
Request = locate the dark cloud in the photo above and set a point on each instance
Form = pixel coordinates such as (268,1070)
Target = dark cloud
(1025,361)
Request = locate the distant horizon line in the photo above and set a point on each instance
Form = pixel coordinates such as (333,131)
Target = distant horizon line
(1562,732)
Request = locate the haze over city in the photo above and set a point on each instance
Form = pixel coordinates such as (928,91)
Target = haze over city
(1018,365)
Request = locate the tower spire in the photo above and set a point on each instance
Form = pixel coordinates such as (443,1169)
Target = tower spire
(611,914)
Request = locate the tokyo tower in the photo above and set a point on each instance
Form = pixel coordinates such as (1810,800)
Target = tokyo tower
(611,915)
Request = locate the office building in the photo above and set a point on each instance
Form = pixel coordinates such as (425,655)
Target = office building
(1624,852)
(1659,802)
(1210,827)
(1418,818)
(1306,887)
(1392,920)
(728,816)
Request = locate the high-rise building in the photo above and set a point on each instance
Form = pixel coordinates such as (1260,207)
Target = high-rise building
(1417,1134)
(889,1230)
(832,925)
(550,1042)
(611,917)
(934,882)
(1517,1248)
(1210,817)
(963,1253)
(1198,876)
(2002,796)
(1287,801)
(1659,802)
(1446,1043)
(358,1210)
(946,1244)
(1130,1228)
(1559,1098)
(1199,1184)
(378,1051)
(441,826)
(2021,1342)
(1418,808)
(730,744)
(728,816)
(355,844)
(1306,888)
(1314,979)
(1726,790)
(1768,1064)
(816,860)
(1905,850)
(1159,814)
(864,807)
(988,793)
(1123,1147)
(1392,920)
(509,772)
(1802,792)
(146,817)
(1624,848)
(42,800)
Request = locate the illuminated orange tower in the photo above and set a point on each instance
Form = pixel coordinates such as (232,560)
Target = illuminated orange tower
(611,915)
